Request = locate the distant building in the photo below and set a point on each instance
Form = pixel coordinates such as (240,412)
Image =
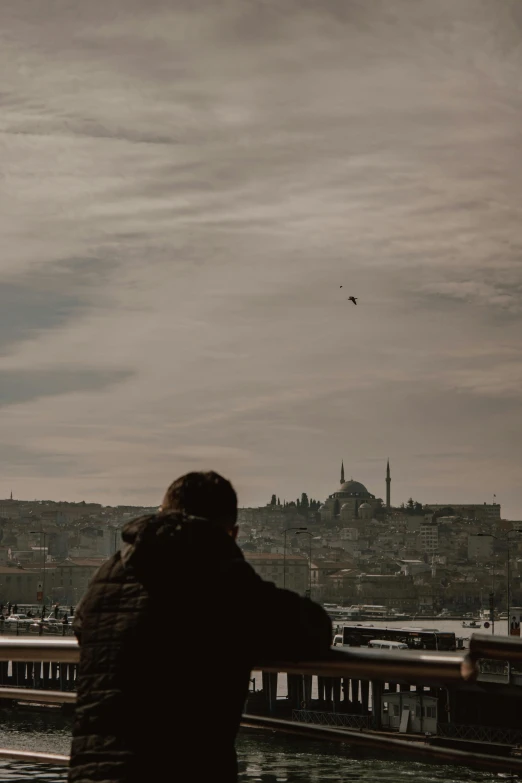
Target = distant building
(485,512)
(414,567)
(9,509)
(349,534)
(391,590)
(94,541)
(292,571)
(480,547)
(351,501)
(429,537)
(18,585)
(269,516)
(66,582)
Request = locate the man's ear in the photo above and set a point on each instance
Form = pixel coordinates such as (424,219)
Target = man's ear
(234,531)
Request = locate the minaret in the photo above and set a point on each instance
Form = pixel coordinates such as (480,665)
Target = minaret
(388,486)
(342,472)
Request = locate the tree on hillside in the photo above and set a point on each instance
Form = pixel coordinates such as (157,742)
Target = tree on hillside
(413,507)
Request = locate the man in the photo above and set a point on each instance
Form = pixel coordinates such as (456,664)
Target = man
(161,689)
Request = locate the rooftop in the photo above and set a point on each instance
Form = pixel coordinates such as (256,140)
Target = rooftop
(81,561)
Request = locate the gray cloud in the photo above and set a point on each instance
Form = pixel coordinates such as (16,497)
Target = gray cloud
(48,298)
(215,173)
(24,312)
(18,387)
(16,462)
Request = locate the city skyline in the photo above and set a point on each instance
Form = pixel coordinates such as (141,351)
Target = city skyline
(282,498)
(185,191)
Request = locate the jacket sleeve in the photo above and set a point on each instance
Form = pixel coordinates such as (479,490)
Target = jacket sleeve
(282,624)
(80,607)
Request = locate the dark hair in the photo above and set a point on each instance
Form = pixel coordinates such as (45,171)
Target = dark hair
(206,495)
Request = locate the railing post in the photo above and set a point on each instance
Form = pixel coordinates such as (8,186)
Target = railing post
(365,696)
(345,687)
(377,690)
(355,695)
(62,673)
(336,693)
(320,689)
(307,690)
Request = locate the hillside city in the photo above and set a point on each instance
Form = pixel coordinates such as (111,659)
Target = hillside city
(351,548)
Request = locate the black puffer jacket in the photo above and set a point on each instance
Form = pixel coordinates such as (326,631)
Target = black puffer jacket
(169,631)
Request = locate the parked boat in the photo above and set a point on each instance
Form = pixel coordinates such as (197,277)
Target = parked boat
(367,612)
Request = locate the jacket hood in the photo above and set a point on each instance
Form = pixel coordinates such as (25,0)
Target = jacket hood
(172,546)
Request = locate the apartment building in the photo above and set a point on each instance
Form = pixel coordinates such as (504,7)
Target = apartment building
(292,572)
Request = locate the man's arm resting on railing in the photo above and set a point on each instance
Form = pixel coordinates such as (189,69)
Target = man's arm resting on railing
(283,624)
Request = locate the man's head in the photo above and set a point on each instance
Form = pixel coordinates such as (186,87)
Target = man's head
(206,495)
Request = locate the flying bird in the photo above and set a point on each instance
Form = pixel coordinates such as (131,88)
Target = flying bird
(353,299)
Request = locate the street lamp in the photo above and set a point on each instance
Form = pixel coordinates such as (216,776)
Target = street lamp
(114,547)
(508,575)
(42,533)
(310,536)
(287,530)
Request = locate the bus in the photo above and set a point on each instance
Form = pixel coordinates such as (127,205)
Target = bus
(415,638)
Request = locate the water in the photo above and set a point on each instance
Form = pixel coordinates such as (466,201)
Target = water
(266,758)
(270,759)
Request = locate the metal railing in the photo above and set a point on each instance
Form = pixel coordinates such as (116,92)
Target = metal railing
(465,731)
(408,666)
(39,648)
(333,719)
(496,648)
(361,662)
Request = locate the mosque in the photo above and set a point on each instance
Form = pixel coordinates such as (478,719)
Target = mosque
(353,501)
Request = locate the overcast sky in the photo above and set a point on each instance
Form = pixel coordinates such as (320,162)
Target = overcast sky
(184,187)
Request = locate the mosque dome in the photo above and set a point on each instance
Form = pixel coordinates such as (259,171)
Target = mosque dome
(365,511)
(354,488)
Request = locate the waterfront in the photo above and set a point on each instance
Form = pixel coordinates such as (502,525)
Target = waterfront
(266,758)
(262,756)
